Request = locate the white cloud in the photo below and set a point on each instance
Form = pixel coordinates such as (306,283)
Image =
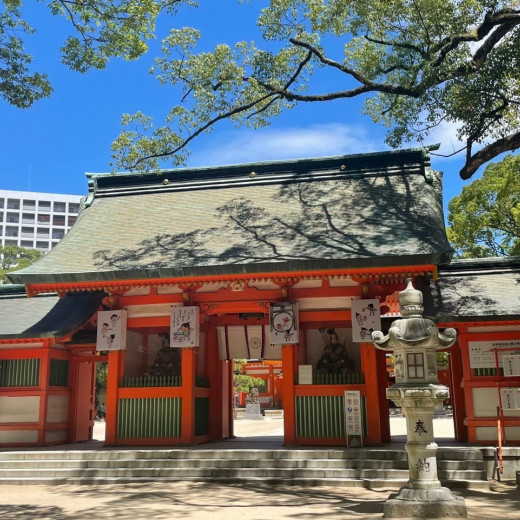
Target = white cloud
(288,143)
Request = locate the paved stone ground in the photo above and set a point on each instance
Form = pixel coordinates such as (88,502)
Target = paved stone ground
(215,501)
(209,501)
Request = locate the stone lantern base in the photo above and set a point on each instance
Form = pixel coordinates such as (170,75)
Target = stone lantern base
(418,506)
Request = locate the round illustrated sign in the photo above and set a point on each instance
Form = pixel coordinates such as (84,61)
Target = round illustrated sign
(283,321)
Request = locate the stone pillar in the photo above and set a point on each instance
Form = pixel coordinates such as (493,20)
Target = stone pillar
(414,340)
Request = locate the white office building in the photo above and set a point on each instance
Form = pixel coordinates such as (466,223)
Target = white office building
(36,220)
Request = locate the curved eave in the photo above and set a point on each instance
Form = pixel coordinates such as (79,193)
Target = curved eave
(421,264)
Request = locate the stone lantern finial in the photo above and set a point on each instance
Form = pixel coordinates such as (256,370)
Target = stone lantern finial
(411,301)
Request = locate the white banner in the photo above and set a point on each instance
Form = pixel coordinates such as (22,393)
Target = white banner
(111,330)
(184,327)
(365,319)
(353,415)
(283,319)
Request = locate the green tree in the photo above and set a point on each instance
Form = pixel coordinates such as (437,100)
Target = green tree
(243,382)
(101,29)
(484,220)
(416,63)
(13,258)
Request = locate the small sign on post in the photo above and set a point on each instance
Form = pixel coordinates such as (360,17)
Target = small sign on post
(353,418)
(305,374)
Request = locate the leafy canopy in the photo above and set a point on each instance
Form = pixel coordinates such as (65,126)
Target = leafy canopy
(484,220)
(417,64)
(13,258)
(101,29)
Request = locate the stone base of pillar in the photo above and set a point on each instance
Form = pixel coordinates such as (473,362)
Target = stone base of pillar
(425,504)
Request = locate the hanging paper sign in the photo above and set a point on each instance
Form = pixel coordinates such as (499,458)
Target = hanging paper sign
(283,319)
(365,319)
(184,327)
(111,330)
(511,365)
(509,398)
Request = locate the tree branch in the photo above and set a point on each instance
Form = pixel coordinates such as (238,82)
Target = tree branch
(475,161)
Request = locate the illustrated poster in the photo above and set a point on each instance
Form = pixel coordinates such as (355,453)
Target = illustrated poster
(111,330)
(184,327)
(365,319)
(283,320)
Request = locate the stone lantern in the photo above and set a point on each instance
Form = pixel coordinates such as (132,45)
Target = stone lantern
(414,341)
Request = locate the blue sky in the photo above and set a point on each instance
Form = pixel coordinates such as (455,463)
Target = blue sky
(50,146)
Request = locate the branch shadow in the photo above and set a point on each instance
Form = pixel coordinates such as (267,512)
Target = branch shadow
(303,221)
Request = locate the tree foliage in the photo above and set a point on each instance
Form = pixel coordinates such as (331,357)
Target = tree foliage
(13,258)
(416,63)
(101,29)
(241,381)
(484,220)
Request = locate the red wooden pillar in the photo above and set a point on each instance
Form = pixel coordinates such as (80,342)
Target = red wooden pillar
(43,383)
(115,371)
(369,364)
(188,396)
(289,413)
(457,393)
(214,373)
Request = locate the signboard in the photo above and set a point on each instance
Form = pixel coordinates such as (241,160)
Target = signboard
(353,415)
(283,321)
(184,327)
(511,364)
(111,330)
(510,398)
(305,374)
(365,319)
(482,355)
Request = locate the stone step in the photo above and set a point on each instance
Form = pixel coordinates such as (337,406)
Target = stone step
(366,467)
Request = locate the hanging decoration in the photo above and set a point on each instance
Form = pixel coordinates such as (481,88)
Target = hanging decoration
(111,330)
(365,319)
(283,319)
(184,327)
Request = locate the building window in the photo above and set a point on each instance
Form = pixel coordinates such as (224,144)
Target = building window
(59,207)
(57,234)
(27,218)
(11,242)
(27,244)
(42,246)
(58,220)
(415,362)
(13,204)
(42,233)
(11,231)
(73,207)
(44,205)
(29,205)
(13,218)
(27,232)
(1,203)
(72,220)
(44,219)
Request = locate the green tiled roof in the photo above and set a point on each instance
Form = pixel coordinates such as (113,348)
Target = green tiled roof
(44,316)
(475,290)
(380,209)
